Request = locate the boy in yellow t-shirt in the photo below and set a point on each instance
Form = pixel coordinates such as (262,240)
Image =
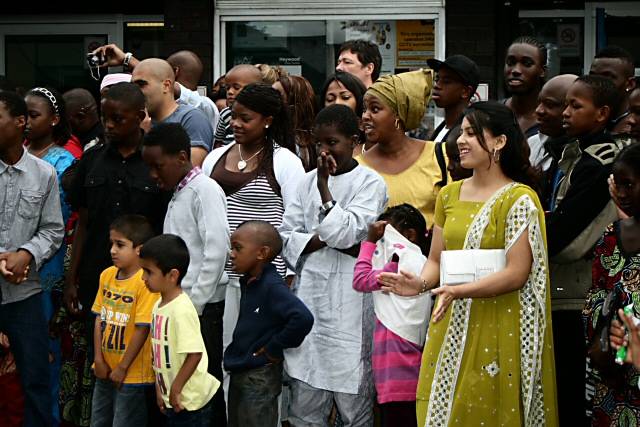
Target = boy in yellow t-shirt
(123,305)
(184,388)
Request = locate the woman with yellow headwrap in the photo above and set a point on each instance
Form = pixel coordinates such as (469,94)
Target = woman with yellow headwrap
(393,105)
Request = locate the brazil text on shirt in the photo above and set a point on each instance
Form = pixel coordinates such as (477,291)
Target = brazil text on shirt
(123,305)
(114,339)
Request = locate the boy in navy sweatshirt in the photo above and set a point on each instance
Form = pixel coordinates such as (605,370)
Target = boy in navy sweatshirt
(271,319)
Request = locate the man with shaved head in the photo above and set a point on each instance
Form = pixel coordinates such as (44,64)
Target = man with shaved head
(188,70)
(82,114)
(547,145)
(549,118)
(156,79)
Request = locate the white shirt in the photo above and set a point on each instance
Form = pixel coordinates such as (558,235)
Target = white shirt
(443,132)
(336,355)
(198,214)
(202,103)
(538,155)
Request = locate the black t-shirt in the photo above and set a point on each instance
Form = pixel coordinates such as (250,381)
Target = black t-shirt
(109,186)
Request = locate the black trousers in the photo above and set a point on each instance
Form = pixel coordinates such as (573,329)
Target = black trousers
(571,355)
(211,328)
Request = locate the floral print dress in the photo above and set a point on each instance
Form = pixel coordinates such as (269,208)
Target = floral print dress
(613,390)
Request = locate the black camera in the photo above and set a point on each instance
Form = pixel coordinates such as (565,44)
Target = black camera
(94,60)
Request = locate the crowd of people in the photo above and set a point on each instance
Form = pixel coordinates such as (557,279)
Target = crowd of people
(264,256)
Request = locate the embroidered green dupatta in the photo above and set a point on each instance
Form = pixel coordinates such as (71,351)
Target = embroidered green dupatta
(489,362)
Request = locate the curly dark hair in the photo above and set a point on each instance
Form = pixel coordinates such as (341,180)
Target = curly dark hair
(14,103)
(603,91)
(341,116)
(629,156)
(617,52)
(405,217)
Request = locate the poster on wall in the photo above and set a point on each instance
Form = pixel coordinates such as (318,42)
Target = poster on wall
(382,33)
(293,65)
(569,40)
(415,43)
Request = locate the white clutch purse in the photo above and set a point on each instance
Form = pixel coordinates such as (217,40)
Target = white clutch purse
(464,266)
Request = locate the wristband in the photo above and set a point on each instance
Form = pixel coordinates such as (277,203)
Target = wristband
(127,59)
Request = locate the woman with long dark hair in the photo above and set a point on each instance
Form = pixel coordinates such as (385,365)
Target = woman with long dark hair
(346,89)
(259,173)
(488,357)
(298,96)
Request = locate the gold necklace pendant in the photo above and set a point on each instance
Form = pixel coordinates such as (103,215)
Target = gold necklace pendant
(242,163)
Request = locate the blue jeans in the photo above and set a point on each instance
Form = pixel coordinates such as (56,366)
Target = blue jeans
(197,418)
(48,298)
(118,408)
(25,325)
(253,396)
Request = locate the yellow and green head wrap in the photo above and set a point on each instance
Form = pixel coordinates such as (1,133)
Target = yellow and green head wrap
(407,94)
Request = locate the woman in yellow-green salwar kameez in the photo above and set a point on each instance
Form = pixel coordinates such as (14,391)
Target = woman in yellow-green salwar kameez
(488,358)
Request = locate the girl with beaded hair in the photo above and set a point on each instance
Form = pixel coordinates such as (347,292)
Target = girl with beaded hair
(488,358)
(47,136)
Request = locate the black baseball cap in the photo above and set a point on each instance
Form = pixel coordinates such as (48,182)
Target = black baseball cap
(462,66)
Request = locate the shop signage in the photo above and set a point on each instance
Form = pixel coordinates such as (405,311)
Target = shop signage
(415,43)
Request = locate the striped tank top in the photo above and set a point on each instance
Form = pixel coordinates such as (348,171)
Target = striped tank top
(250,196)
(256,200)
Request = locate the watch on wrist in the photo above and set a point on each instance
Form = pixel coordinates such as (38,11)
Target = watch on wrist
(127,59)
(326,207)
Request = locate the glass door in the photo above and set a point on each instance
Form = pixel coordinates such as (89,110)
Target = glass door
(614,24)
(51,50)
(56,60)
(563,34)
(310,47)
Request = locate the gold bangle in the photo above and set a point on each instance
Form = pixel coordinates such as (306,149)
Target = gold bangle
(425,287)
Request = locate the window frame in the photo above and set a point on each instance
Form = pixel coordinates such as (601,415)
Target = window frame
(222,17)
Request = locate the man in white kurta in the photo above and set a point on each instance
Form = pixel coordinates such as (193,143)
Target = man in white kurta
(334,361)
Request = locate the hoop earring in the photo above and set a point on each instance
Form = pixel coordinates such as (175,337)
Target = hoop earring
(397,124)
(496,155)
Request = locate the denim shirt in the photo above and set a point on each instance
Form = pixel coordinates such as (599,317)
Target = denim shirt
(30,219)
